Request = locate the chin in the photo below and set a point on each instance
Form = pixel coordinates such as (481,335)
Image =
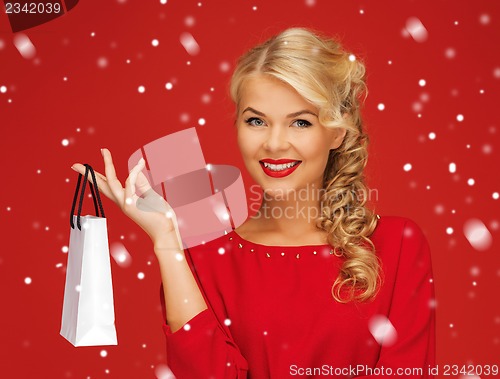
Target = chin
(278,189)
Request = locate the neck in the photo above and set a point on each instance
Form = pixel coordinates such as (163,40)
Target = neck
(293,213)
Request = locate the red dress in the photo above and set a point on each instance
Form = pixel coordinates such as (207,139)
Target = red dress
(271,313)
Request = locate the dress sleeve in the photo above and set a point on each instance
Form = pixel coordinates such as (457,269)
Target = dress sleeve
(203,347)
(412,311)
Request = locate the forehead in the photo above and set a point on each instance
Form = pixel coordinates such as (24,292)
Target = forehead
(271,96)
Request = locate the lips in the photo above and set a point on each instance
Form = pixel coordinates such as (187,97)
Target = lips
(278,168)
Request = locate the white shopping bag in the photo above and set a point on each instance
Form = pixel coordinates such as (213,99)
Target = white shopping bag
(88,317)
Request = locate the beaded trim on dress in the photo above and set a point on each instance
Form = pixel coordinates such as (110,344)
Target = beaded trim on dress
(283,251)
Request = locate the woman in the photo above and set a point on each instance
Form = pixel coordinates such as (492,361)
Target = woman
(315,284)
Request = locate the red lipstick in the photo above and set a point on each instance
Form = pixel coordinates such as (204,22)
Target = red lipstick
(277,168)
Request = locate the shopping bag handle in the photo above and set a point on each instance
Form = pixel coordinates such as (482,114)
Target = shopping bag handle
(95,195)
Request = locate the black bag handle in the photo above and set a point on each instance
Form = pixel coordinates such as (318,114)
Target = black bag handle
(95,195)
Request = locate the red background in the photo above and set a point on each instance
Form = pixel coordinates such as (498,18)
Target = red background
(101,107)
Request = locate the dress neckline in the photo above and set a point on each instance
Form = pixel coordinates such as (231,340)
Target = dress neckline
(281,247)
(233,235)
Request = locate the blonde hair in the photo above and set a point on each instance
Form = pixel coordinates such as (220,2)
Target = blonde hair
(333,80)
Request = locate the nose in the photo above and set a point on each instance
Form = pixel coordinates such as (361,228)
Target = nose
(276,139)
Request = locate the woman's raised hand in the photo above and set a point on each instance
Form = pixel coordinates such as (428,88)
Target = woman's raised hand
(150,211)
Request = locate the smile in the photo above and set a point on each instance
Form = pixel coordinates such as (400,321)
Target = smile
(280,167)
(279,170)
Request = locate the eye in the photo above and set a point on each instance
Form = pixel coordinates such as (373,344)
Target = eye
(254,121)
(302,124)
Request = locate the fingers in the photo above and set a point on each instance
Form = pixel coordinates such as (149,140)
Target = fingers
(81,169)
(114,184)
(111,187)
(131,181)
(98,174)
(101,180)
(109,168)
(142,184)
(150,201)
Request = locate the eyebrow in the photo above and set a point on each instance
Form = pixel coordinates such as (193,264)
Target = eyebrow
(295,114)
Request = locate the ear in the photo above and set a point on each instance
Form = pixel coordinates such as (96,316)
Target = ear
(339,134)
(338,138)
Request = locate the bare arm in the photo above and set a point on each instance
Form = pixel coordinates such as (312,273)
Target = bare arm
(183,299)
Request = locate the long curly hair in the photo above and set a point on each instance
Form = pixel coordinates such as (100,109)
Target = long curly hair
(334,81)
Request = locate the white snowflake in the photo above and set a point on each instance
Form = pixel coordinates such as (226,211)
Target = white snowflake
(189,43)
(382,330)
(120,254)
(416,29)
(477,234)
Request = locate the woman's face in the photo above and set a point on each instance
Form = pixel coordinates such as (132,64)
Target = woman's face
(276,123)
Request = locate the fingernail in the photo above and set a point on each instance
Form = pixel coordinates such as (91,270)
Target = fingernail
(73,168)
(102,152)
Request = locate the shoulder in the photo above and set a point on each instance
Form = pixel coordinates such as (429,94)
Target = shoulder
(398,233)
(401,239)
(397,227)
